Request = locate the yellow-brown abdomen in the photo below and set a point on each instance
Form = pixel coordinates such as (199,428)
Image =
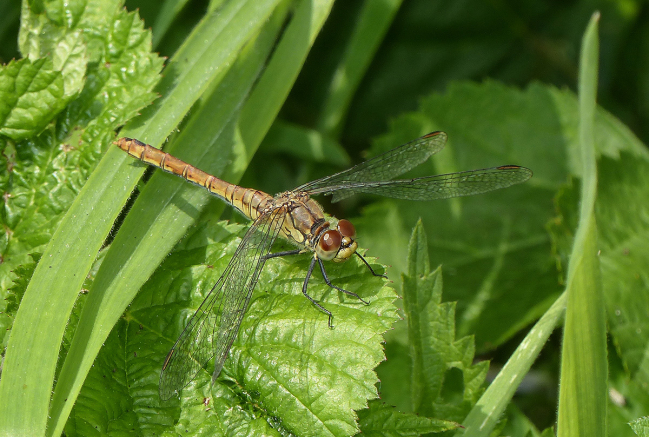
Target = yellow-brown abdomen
(249,202)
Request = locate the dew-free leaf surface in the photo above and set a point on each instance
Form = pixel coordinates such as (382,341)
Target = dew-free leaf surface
(445,381)
(286,366)
(382,420)
(491,245)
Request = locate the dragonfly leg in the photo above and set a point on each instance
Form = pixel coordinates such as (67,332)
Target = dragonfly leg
(328,282)
(284,253)
(304,292)
(370,267)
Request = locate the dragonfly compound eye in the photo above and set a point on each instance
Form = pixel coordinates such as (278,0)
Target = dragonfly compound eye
(328,245)
(346,229)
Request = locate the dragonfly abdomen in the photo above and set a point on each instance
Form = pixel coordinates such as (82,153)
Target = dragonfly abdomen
(248,202)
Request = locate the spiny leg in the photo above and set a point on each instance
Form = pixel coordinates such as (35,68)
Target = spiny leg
(326,278)
(370,267)
(328,282)
(304,292)
(306,280)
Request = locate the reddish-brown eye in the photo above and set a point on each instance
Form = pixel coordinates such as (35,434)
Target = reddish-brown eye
(328,245)
(330,241)
(346,228)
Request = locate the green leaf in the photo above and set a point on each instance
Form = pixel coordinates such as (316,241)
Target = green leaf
(515,423)
(488,244)
(370,28)
(307,375)
(381,420)
(71,59)
(624,228)
(641,426)
(485,415)
(628,399)
(201,62)
(168,12)
(31,94)
(445,382)
(429,44)
(196,68)
(303,143)
(491,244)
(44,174)
(584,367)
(285,367)
(55,32)
(14,295)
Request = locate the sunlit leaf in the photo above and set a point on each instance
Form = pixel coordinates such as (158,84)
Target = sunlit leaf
(381,420)
(286,365)
(445,382)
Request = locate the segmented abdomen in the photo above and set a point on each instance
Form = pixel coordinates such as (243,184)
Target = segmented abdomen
(249,202)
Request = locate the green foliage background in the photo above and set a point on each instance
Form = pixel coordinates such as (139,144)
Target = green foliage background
(271,94)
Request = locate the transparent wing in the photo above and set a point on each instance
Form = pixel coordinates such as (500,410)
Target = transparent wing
(214,326)
(466,183)
(380,168)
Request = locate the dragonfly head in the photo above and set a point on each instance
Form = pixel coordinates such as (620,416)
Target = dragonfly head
(337,244)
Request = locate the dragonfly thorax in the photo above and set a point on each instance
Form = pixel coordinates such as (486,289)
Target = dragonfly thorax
(306,226)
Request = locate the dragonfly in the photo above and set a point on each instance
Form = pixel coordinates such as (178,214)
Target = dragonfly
(296,217)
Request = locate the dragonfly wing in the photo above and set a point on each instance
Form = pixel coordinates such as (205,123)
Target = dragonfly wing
(380,168)
(214,326)
(466,183)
